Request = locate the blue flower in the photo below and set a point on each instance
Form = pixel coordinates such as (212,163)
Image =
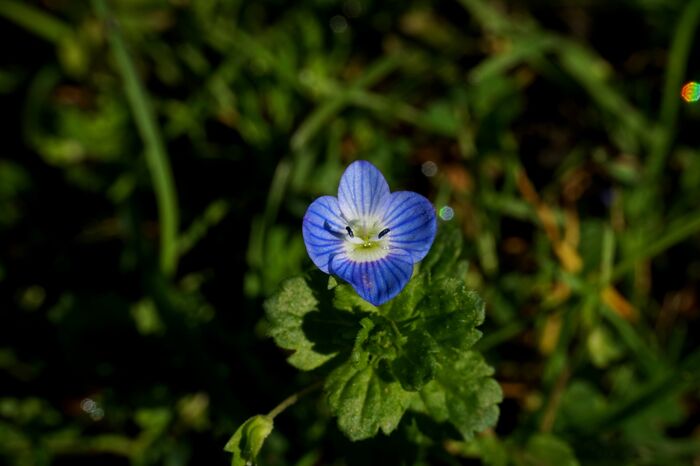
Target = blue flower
(368,236)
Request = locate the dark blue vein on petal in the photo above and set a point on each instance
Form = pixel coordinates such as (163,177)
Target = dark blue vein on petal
(382,284)
(312,228)
(392,265)
(375,281)
(361,191)
(379,271)
(398,213)
(319,229)
(362,182)
(403,232)
(319,233)
(390,269)
(327,208)
(413,223)
(339,264)
(409,215)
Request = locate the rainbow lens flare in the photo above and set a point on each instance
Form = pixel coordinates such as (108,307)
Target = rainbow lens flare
(691,92)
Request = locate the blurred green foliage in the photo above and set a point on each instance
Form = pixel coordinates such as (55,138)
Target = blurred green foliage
(159,156)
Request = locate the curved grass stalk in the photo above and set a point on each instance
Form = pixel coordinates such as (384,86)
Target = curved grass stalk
(156,156)
(35,20)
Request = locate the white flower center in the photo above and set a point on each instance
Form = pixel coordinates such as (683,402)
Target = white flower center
(366,241)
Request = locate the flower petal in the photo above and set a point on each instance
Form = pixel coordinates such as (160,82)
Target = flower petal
(375,281)
(323,230)
(412,224)
(362,192)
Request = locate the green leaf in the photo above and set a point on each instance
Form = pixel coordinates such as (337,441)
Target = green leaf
(417,363)
(548,450)
(347,299)
(443,260)
(582,405)
(426,352)
(365,399)
(313,321)
(404,305)
(450,314)
(491,450)
(441,324)
(423,344)
(463,393)
(434,317)
(246,442)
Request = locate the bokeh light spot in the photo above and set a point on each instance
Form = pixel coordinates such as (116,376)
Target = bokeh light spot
(691,91)
(88,405)
(429,168)
(97,414)
(91,407)
(338,24)
(446,213)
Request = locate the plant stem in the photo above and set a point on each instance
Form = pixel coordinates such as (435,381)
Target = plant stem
(156,156)
(550,412)
(289,401)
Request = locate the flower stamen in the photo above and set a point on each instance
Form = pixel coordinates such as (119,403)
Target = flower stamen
(383,232)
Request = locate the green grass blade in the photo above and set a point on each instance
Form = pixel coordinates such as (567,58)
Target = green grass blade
(678,59)
(324,112)
(677,232)
(156,156)
(35,20)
